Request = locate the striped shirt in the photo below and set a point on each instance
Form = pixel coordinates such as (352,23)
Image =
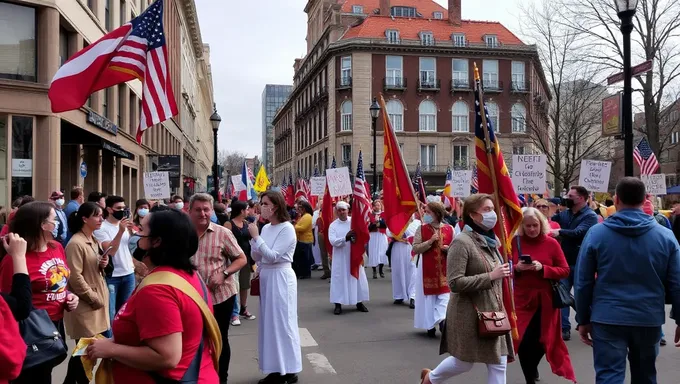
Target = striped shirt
(216,247)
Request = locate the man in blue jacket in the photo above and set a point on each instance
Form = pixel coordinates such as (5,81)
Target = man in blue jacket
(575,222)
(620,313)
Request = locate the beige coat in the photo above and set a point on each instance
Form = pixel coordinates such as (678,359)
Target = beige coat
(470,282)
(87,281)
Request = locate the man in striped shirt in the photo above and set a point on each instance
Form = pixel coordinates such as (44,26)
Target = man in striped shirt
(218,258)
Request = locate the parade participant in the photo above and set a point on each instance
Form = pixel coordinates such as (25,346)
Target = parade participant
(280,356)
(239,227)
(316,250)
(345,288)
(321,239)
(538,321)
(403,270)
(302,263)
(377,243)
(431,242)
(475,275)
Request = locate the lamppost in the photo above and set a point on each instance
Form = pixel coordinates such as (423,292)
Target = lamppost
(215,120)
(375,112)
(626,11)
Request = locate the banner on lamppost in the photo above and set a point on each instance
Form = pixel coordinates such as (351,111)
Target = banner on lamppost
(611,115)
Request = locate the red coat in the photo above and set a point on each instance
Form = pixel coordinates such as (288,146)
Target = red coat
(533,289)
(11,352)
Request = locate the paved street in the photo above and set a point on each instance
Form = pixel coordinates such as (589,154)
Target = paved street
(382,346)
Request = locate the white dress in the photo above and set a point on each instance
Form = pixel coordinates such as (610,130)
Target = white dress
(345,288)
(278,337)
(377,249)
(430,309)
(316,251)
(403,269)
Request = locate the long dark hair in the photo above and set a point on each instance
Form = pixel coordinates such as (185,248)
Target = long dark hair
(178,237)
(279,202)
(87,210)
(138,203)
(27,223)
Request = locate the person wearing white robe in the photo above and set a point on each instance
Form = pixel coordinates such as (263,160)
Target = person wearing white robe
(316,251)
(279,350)
(345,288)
(403,269)
(377,242)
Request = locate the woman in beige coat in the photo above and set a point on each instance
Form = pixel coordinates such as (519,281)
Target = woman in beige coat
(87,262)
(475,272)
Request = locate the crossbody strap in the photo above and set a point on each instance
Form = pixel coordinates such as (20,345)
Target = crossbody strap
(487,267)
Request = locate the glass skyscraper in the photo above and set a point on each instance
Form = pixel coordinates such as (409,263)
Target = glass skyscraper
(273,97)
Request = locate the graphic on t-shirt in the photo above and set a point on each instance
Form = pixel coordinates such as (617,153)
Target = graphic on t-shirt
(56,275)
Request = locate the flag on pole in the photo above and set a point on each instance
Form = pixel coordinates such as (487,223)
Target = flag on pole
(284,188)
(261,181)
(327,215)
(446,196)
(135,50)
(645,158)
(249,192)
(474,185)
(302,190)
(361,206)
(290,193)
(419,185)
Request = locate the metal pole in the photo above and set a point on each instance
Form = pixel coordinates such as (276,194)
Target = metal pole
(627,107)
(375,160)
(216,185)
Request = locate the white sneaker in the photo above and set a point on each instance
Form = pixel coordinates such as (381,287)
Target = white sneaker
(235,321)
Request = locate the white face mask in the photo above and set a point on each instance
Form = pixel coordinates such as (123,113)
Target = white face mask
(266,212)
(60,202)
(179,205)
(489,220)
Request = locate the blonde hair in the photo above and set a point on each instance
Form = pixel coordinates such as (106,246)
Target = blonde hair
(534,212)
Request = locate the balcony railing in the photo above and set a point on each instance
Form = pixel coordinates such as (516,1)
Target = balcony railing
(493,86)
(460,85)
(429,85)
(394,83)
(519,86)
(345,82)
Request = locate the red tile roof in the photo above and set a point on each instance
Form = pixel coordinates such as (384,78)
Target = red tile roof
(424,7)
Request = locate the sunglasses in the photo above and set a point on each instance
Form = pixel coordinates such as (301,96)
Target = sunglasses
(542,207)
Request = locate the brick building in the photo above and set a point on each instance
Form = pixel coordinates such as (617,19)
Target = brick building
(420,56)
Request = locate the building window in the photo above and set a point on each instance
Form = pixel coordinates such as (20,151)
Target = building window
(346,116)
(490,68)
(403,12)
(518,76)
(428,72)
(492,108)
(518,150)
(675,137)
(22,150)
(460,76)
(394,71)
(460,115)
(426,38)
(357,9)
(460,157)
(105,103)
(438,15)
(428,156)
(395,110)
(107,14)
(428,116)
(392,36)
(519,116)
(491,41)
(17,42)
(347,155)
(458,39)
(63,45)
(123,12)
(346,71)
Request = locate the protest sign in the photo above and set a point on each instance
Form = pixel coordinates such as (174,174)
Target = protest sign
(528,173)
(338,181)
(237,183)
(157,185)
(655,184)
(460,183)
(317,185)
(595,175)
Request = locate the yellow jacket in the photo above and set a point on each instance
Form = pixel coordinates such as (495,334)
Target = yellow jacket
(303,229)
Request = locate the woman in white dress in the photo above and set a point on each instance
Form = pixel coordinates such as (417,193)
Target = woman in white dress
(377,242)
(403,270)
(279,350)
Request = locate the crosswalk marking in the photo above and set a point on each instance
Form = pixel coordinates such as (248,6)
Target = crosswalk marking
(306,339)
(320,364)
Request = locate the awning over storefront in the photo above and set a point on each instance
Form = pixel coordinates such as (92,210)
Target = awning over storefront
(72,135)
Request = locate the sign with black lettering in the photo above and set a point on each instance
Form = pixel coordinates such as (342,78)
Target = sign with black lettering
(528,173)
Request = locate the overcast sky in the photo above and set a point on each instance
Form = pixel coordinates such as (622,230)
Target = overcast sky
(253,46)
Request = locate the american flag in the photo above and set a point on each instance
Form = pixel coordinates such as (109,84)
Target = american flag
(284,187)
(419,185)
(251,176)
(361,207)
(474,186)
(645,158)
(303,189)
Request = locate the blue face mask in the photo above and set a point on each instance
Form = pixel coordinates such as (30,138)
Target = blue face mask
(143,212)
(132,243)
(427,218)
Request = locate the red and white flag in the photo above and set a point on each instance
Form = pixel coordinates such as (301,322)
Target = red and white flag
(136,50)
(361,208)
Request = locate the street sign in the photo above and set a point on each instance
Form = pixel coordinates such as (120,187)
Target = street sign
(636,70)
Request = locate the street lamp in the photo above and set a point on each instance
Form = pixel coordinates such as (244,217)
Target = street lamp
(375,112)
(215,120)
(626,11)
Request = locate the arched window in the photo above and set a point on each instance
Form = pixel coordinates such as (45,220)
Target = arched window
(428,116)
(395,110)
(493,114)
(346,116)
(519,118)
(460,115)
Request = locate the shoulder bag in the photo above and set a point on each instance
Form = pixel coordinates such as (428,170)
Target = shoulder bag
(561,297)
(492,323)
(44,344)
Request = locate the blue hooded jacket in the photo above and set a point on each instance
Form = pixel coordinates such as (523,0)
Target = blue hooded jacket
(636,261)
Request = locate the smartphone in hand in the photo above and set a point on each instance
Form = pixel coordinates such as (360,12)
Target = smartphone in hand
(525,259)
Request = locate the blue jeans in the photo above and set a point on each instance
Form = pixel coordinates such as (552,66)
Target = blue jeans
(120,289)
(568,283)
(237,307)
(613,343)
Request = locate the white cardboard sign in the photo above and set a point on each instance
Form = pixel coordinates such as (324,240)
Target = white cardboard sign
(338,182)
(595,175)
(528,173)
(237,183)
(317,185)
(157,185)
(460,183)
(655,184)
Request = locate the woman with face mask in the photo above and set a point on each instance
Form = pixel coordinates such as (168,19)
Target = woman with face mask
(475,273)
(142,207)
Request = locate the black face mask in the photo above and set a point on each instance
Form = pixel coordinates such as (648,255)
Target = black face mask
(118,215)
(569,203)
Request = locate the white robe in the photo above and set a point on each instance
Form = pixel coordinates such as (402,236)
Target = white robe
(316,251)
(377,248)
(430,309)
(278,338)
(345,289)
(403,269)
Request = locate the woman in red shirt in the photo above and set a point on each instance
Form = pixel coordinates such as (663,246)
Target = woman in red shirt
(159,331)
(547,209)
(47,271)
(538,322)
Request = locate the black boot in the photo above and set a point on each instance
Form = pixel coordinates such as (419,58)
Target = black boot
(412,304)
(272,378)
(380,270)
(289,378)
(375,273)
(338,309)
(399,302)
(442,326)
(432,333)
(361,307)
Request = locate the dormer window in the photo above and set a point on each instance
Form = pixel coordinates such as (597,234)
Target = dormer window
(392,36)
(403,12)
(438,15)
(426,38)
(357,9)
(491,41)
(458,39)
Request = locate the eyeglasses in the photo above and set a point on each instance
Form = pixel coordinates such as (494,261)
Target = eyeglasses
(542,207)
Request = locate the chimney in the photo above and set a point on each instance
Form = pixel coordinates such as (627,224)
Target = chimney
(385,7)
(455,12)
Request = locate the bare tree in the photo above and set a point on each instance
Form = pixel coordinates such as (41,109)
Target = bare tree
(232,161)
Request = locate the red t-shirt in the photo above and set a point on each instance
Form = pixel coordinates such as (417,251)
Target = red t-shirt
(49,275)
(161,310)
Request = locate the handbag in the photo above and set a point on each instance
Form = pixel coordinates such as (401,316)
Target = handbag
(561,298)
(255,286)
(492,323)
(43,341)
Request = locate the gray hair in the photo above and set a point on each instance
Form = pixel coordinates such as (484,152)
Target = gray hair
(533,212)
(204,197)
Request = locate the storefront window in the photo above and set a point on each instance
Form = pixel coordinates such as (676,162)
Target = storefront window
(22,156)
(3,160)
(17,42)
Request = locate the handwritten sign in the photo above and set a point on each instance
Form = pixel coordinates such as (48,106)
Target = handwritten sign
(460,183)
(338,182)
(528,173)
(318,185)
(595,175)
(157,185)
(655,184)
(237,183)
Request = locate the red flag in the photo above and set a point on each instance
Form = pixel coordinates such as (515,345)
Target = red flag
(290,191)
(399,198)
(361,206)
(327,218)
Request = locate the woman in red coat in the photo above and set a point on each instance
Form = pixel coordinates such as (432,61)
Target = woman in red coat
(539,323)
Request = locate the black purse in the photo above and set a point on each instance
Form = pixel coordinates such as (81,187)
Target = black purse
(44,343)
(561,297)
